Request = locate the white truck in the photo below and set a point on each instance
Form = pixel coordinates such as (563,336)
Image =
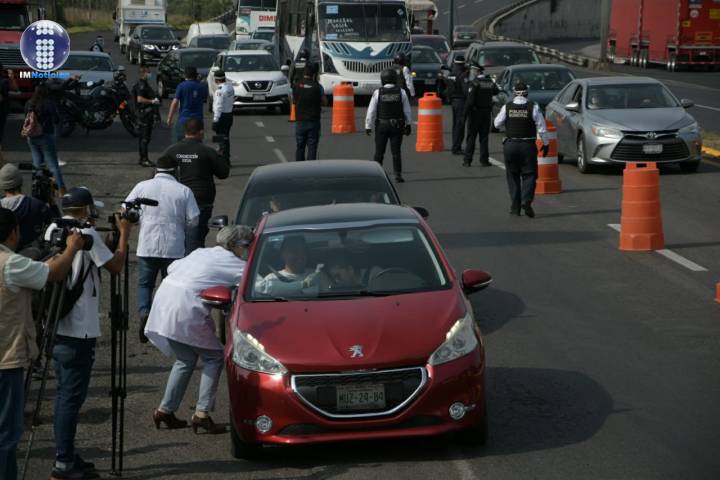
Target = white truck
(253,15)
(130,13)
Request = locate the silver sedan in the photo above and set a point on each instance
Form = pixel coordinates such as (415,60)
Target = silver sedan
(606,120)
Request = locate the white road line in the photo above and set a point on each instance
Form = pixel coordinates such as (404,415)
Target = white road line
(461,6)
(478,1)
(270,139)
(670,255)
(709,108)
(260,124)
(280,155)
(497,164)
(446,12)
(464,469)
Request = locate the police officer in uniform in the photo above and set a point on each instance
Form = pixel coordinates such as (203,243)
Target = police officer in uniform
(145,100)
(523,124)
(457,88)
(309,98)
(404,77)
(223,102)
(389,112)
(478,108)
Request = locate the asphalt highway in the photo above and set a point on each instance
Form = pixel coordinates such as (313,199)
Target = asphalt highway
(602,364)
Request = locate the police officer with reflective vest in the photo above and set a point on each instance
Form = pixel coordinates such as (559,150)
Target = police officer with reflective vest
(523,123)
(145,100)
(404,77)
(457,88)
(478,108)
(309,98)
(223,104)
(389,113)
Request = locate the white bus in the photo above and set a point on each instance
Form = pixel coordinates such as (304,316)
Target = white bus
(352,40)
(253,14)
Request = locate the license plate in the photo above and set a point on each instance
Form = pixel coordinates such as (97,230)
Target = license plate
(361,397)
(652,149)
(258,98)
(430,81)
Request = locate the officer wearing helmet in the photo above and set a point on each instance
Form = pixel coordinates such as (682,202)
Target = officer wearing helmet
(457,84)
(478,108)
(404,77)
(389,113)
(523,123)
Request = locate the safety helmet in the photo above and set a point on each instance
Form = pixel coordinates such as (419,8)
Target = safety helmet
(388,76)
(400,58)
(521,88)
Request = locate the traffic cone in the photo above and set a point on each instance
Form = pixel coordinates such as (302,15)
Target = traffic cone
(430,124)
(343,112)
(548,180)
(292,112)
(641,220)
(717,292)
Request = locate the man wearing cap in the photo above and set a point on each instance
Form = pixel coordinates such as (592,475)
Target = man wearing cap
(162,229)
(223,102)
(145,99)
(190,96)
(181,325)
(309,97)
(19,277)
(523,123)
(478,108)
(98,45)
(457,88)
(32,214)
(77,332)
(198,166)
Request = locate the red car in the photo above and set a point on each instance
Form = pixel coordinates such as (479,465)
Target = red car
(351,324)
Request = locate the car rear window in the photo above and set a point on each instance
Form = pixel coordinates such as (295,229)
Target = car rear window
(554,79)
(198,59)
(436,43)
(425,55)
(504,57)
(218,43)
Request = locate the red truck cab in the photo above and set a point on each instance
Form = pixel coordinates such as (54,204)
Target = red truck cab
(15,17)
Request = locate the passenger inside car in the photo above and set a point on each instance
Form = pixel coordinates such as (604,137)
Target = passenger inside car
(295,275)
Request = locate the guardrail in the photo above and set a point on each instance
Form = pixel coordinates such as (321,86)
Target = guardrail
(499,15)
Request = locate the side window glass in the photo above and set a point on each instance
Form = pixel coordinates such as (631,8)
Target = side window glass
(577,97)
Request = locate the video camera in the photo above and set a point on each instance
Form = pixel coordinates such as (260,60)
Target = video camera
(132,211)
(64,226)
(43,184)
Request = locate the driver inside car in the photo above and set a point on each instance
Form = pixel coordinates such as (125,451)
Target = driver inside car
(295,277)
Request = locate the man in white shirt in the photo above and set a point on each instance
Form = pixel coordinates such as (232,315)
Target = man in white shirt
(162,229)
(74,349)
(223,101)
(19,276)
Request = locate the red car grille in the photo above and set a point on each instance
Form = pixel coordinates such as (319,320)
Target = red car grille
(400,386)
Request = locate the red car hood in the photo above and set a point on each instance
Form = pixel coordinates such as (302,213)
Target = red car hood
(10,37)
(317,336)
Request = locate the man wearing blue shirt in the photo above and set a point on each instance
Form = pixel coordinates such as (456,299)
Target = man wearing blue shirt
(190,97)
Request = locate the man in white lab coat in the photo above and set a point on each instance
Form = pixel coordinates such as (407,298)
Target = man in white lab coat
(181,325)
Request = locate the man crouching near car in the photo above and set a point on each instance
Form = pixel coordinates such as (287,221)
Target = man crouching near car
(19,276)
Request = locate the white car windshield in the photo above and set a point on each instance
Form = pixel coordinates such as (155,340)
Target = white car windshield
(609,97)
(363,22)
(250,63)
(345,262)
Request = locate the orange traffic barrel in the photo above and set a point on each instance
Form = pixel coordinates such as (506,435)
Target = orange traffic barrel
(430,124)
(343,112)
(548,180)
(717,292)
(641,220)
(292,112)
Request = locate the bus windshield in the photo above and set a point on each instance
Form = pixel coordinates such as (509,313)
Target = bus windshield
(364,22)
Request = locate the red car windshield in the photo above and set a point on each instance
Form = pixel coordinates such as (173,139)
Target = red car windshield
(349,262)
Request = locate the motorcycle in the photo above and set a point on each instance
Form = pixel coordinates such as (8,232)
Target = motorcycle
(97,109)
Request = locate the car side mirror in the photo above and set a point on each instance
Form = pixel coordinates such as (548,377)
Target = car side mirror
(687,103)
(475,280)
(216,297)
(424,213)
(218,222)
(573,107)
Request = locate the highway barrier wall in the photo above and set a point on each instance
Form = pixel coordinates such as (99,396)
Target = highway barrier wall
(552,20)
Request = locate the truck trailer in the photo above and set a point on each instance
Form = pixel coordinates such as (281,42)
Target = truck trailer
(130,13)
(673,33)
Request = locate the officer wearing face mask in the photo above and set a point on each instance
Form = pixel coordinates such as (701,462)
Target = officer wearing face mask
(478,108)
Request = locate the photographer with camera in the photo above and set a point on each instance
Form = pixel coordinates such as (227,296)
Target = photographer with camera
(32,214)
(77,332)
(162,230)
(197,165)
(19,277)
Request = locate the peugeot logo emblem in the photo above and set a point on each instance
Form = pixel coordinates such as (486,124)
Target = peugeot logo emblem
(651,135)
(258,84)
(356,351)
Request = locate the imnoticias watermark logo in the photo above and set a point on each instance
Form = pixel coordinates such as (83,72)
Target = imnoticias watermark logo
(45,47)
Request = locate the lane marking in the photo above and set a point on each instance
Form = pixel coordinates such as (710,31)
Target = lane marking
(270,139)
(461,6)
(280,155)
(260,124)
(446,12)
(670,255)
(464,468)
(497,163)
(709,108)
(478,1)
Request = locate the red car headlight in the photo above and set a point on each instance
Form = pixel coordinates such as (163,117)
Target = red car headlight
(250,354)
(460,340)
